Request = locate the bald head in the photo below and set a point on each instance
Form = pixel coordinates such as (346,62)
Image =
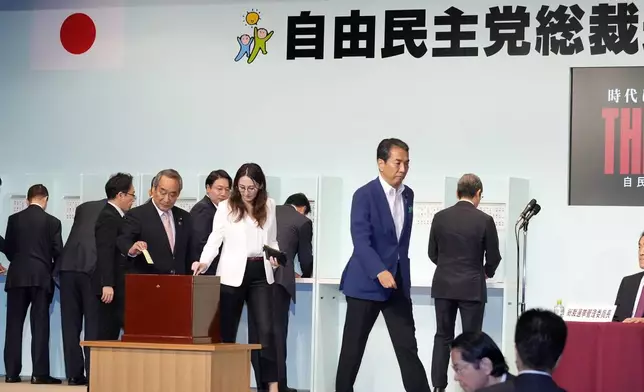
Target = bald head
(470,187)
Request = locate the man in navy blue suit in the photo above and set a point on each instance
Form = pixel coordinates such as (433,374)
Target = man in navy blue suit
(376,278)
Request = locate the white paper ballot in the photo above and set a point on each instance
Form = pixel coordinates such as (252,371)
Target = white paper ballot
(148,258)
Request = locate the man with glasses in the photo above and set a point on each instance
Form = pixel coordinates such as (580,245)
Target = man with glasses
(459,238)
(478,362)
(161,228)
(108,278)
(218,184)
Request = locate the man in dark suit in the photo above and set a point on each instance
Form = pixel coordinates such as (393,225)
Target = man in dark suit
(218,184)
(478,362)
(33,246)
(162,229)
(77,263)
(630,301)
(295,238)
(377,276)
(539,338)
(460,237)
(108,279)
(2,268)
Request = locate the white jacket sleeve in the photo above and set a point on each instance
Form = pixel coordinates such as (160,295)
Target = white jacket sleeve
(216,237)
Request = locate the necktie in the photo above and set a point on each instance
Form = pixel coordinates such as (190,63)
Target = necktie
(397,214)
(168,229)
(639,312)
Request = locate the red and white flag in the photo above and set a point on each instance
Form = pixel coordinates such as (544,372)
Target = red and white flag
(77,39)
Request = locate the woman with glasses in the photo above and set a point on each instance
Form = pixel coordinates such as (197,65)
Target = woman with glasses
(244,224)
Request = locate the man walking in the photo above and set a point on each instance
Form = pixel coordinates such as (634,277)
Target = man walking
(377,276)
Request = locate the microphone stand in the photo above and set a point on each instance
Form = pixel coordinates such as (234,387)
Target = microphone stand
(525,252)
(521,269)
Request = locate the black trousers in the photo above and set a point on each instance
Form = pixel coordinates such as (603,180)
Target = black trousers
(77,302)
(110,317)
(18,301)
(360,318)
(257,294)
(281,307)
(472,320)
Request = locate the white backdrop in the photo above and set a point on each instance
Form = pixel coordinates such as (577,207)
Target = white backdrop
(179,100)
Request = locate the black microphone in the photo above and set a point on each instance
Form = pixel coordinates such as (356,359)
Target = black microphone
(528,208)
(529,215)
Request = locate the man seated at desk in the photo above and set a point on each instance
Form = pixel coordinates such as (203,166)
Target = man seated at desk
(629,301)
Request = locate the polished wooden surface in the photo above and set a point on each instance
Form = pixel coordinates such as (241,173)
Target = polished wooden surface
(180,309)
(169,346)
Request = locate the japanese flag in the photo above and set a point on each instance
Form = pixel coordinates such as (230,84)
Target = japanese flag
(77,39)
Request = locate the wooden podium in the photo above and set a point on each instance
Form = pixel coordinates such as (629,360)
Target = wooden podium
(156,367)
(171,323)
(171,309)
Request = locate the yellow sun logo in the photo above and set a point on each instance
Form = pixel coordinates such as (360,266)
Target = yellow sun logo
(252,17)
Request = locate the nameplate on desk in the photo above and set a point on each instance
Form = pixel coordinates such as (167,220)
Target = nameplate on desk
(593,314)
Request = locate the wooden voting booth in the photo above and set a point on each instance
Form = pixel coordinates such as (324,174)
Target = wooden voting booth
(171,341)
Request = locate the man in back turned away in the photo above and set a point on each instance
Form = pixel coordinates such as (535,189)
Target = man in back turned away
(33,246)
(295,238)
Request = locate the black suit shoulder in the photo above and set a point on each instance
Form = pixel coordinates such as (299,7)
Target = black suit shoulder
(626,294)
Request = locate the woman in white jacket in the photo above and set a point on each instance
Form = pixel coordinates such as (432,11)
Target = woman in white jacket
(244,224)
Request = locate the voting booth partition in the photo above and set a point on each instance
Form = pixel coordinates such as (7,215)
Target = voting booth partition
(317,319)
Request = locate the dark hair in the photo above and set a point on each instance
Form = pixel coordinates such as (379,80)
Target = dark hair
(540,338)
(217,174)
(38,190)
(170,173)
(474,346)
(299,200)
(468,185)
(237,207)
(118,183)
(384,148)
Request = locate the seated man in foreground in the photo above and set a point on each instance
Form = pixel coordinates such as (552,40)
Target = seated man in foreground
(539,338)
(629,301)
(478,362)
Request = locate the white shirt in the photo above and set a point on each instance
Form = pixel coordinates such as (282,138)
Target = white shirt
(117,208)
(467,200)
(396,204)
(170,218)
(254,238)
(504,377)
(637,297)
(534,372)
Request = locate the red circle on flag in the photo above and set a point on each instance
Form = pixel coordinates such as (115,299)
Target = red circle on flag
(78,33)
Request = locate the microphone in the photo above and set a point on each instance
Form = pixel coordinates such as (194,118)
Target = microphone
(529,215)
(528,208)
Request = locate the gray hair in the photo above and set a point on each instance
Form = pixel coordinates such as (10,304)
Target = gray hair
(468,186)
(170,173)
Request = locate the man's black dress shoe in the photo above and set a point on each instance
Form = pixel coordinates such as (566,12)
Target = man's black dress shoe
(12,379)
(287,389)
(77,381)
(45,380)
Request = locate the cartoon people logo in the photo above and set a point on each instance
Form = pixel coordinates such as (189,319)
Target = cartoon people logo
(250,47)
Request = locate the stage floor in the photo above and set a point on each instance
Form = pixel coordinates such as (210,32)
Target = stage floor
(26,386)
